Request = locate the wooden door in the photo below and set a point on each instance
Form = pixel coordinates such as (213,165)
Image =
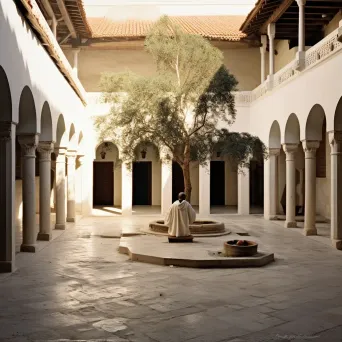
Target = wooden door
(103,185)
(217,182)
(142,183)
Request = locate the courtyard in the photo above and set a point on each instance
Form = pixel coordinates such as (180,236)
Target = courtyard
(78,287)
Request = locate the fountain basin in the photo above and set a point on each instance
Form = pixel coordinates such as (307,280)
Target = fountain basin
(198,227)
(232,249)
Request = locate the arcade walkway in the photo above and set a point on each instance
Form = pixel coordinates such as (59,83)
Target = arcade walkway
(80,288)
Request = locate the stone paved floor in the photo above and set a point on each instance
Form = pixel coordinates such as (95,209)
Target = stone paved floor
(77,287)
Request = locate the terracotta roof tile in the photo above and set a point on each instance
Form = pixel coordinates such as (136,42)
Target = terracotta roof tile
(213,27)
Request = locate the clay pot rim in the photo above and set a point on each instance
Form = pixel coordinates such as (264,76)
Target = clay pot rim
(250,244)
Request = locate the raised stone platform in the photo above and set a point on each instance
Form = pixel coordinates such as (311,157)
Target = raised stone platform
(202,253)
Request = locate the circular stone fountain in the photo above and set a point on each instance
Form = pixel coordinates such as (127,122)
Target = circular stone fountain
(196,228)
(240,248)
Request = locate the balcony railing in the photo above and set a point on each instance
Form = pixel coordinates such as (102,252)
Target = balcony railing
(327,47)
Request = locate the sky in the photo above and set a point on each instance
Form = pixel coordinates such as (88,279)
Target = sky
(152,9)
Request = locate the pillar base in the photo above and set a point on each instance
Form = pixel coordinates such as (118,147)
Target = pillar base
(44,236)
(290,224)
(337,244)
(71,219)
(60,226)
(271,218)
(28,248)
(309,231)
(7,266)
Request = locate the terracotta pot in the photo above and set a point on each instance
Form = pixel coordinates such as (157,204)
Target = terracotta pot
(233,250)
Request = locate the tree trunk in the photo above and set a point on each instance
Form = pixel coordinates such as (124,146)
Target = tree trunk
(186,172)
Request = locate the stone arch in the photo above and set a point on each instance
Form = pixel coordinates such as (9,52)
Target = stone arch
(292,130)
(61,137)
(73,138)
(314,123)
(5,98)
(27,113)
(338,116)
(46,124)
(274,139)
(107,150)
(149,147)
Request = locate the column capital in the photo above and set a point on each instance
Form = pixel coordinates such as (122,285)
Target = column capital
(335,141)
(28,144)
(81,158)
(263,40)
(310,147)
(271,30)
(60,151)
(71,153)
(301,2)
(290,150)
(274,151)
(45,148)
(5,131)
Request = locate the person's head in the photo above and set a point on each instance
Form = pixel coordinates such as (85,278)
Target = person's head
(181,196)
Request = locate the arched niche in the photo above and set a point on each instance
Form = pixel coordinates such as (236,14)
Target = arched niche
(338,116)
(314,123)
(292,130)
(27,113)
(61,136)
(274,140)
(46,124)
(5,98)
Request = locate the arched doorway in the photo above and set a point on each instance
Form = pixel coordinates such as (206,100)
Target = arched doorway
(146,176)
(107,176)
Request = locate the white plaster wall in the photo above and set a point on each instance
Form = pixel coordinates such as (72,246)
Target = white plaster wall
(27,63)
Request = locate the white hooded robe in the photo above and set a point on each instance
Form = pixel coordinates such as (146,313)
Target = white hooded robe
(178,218)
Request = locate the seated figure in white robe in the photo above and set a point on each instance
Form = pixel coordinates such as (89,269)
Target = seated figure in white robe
(180,216)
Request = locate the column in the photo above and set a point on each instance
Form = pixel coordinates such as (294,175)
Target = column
(166,195)
(28,145)
(71,170)
(243,191)
(335,139)
(60,188)
(301,35)
(290,150)
(7,197)
(127,189)
(271,35)
(204,189)
(45,149)
(273,183)
(75,65)
(310,148)
(301,25)
(263,57)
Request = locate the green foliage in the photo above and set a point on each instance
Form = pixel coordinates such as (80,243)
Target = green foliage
(179,108)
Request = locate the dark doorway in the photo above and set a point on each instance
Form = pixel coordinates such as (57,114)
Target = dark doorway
(142,183)
(103,186)
(256,179)
(177,181)
(217,183)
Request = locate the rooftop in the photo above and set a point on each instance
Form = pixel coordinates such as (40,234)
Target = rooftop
(211,27)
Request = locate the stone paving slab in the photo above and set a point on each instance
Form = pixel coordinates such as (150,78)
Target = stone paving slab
(78,287)
(201,253)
